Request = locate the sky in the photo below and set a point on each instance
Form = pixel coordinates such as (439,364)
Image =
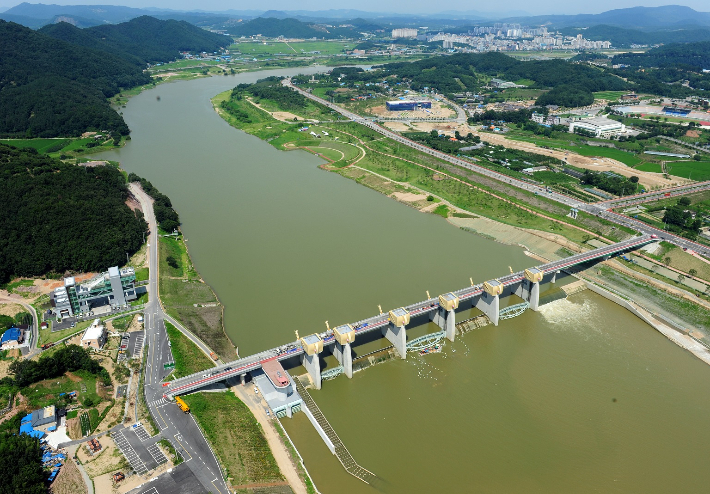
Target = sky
(531,7)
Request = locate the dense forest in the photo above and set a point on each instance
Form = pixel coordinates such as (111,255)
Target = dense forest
(459,73)
(58,217)
(21,458)
(54,82)
(141,40)
(694,56)
(51,88)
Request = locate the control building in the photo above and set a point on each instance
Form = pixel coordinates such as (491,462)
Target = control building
(94,336)
(115,287)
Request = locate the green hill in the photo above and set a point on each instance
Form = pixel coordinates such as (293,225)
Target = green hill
(143,39)
(695,56)
(52,88)
(271,27)
(57,217)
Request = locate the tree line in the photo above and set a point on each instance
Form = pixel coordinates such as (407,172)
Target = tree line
(69,358)
(167,218)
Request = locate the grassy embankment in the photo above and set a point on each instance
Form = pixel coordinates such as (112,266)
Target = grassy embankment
(188,358)
(413,171)
(181,287)
(236,437)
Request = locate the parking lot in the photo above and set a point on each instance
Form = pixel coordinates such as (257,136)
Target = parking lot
(179,480)
(139,448)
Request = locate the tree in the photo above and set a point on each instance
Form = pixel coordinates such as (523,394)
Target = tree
(172,262)
(697,157)
(681,278)
(684,201)
(692,272)
(667,261)
(434,133)
(634,179)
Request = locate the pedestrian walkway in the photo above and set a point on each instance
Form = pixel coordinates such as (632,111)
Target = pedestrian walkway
(341,452)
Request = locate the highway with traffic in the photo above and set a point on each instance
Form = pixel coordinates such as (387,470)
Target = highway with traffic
(599,209)
(179,428)
(253,362)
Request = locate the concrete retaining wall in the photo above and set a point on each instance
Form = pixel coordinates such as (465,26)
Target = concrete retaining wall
(318,428)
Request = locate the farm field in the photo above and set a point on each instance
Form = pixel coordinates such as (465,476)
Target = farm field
(695,170)
(291,48)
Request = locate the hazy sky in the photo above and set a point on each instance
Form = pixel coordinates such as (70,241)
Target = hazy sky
(532,7)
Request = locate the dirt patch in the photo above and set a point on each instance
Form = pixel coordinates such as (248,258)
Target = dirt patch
(74,428)
(11,309)
(4,368)
(409,197)
(285,116)
(107,460)
(69,480)
(90,164)
(72,377)
(78,278)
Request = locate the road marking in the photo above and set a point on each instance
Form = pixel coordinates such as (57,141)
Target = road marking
(130,453)
(183,446)
(215,486)
(157,454)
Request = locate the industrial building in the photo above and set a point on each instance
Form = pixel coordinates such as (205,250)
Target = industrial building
(599,126)
(116,288)
(12,338)
(409,104)
(94,336)
(44,419)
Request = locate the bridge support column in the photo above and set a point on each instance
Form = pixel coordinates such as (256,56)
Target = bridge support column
(489,301)
(312,365)
(397,335)
(312,346)
(243,379)
(344,336)
(554,277)
(444,316)
(533,277)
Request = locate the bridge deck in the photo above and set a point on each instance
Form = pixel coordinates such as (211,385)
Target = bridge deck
(253,362)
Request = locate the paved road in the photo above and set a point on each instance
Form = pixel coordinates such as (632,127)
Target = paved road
(179,428)
(597,209)
(35,321)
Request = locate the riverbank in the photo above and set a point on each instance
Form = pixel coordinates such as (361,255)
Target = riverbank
(429,187)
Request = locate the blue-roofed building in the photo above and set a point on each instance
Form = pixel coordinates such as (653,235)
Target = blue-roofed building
(12,338)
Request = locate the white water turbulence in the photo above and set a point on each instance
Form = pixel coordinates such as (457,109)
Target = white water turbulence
(579,315)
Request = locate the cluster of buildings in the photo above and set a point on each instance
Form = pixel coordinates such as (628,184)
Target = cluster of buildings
(114,288)
(404,33)
(515,40)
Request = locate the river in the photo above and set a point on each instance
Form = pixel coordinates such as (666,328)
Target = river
(580,397)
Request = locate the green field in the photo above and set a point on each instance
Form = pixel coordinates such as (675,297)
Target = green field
(695,170)
(236,437)
(609,95)
(298,48)
(649,167)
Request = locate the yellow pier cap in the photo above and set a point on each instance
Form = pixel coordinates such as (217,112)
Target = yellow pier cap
(449,301)
(344,334)
(494,287)
(399,317)
(533,274)
(312,344)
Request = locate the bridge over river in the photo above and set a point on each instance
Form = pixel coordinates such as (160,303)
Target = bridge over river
(392,325)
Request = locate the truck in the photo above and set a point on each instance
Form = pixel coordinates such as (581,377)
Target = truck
(181,403)
(214,356)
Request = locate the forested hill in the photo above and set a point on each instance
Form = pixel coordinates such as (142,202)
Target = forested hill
(143,39)
(52,88)
(573,84)
(694,56)
(57,217)
(272,27)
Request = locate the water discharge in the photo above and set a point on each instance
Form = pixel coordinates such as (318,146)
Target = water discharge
(580,397)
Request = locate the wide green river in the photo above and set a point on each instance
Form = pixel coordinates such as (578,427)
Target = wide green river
(579,397)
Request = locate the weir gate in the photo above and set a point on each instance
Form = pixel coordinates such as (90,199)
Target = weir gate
(286,395)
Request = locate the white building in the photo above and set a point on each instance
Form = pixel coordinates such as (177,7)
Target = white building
(600,126)
(404,33)
(95,336)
